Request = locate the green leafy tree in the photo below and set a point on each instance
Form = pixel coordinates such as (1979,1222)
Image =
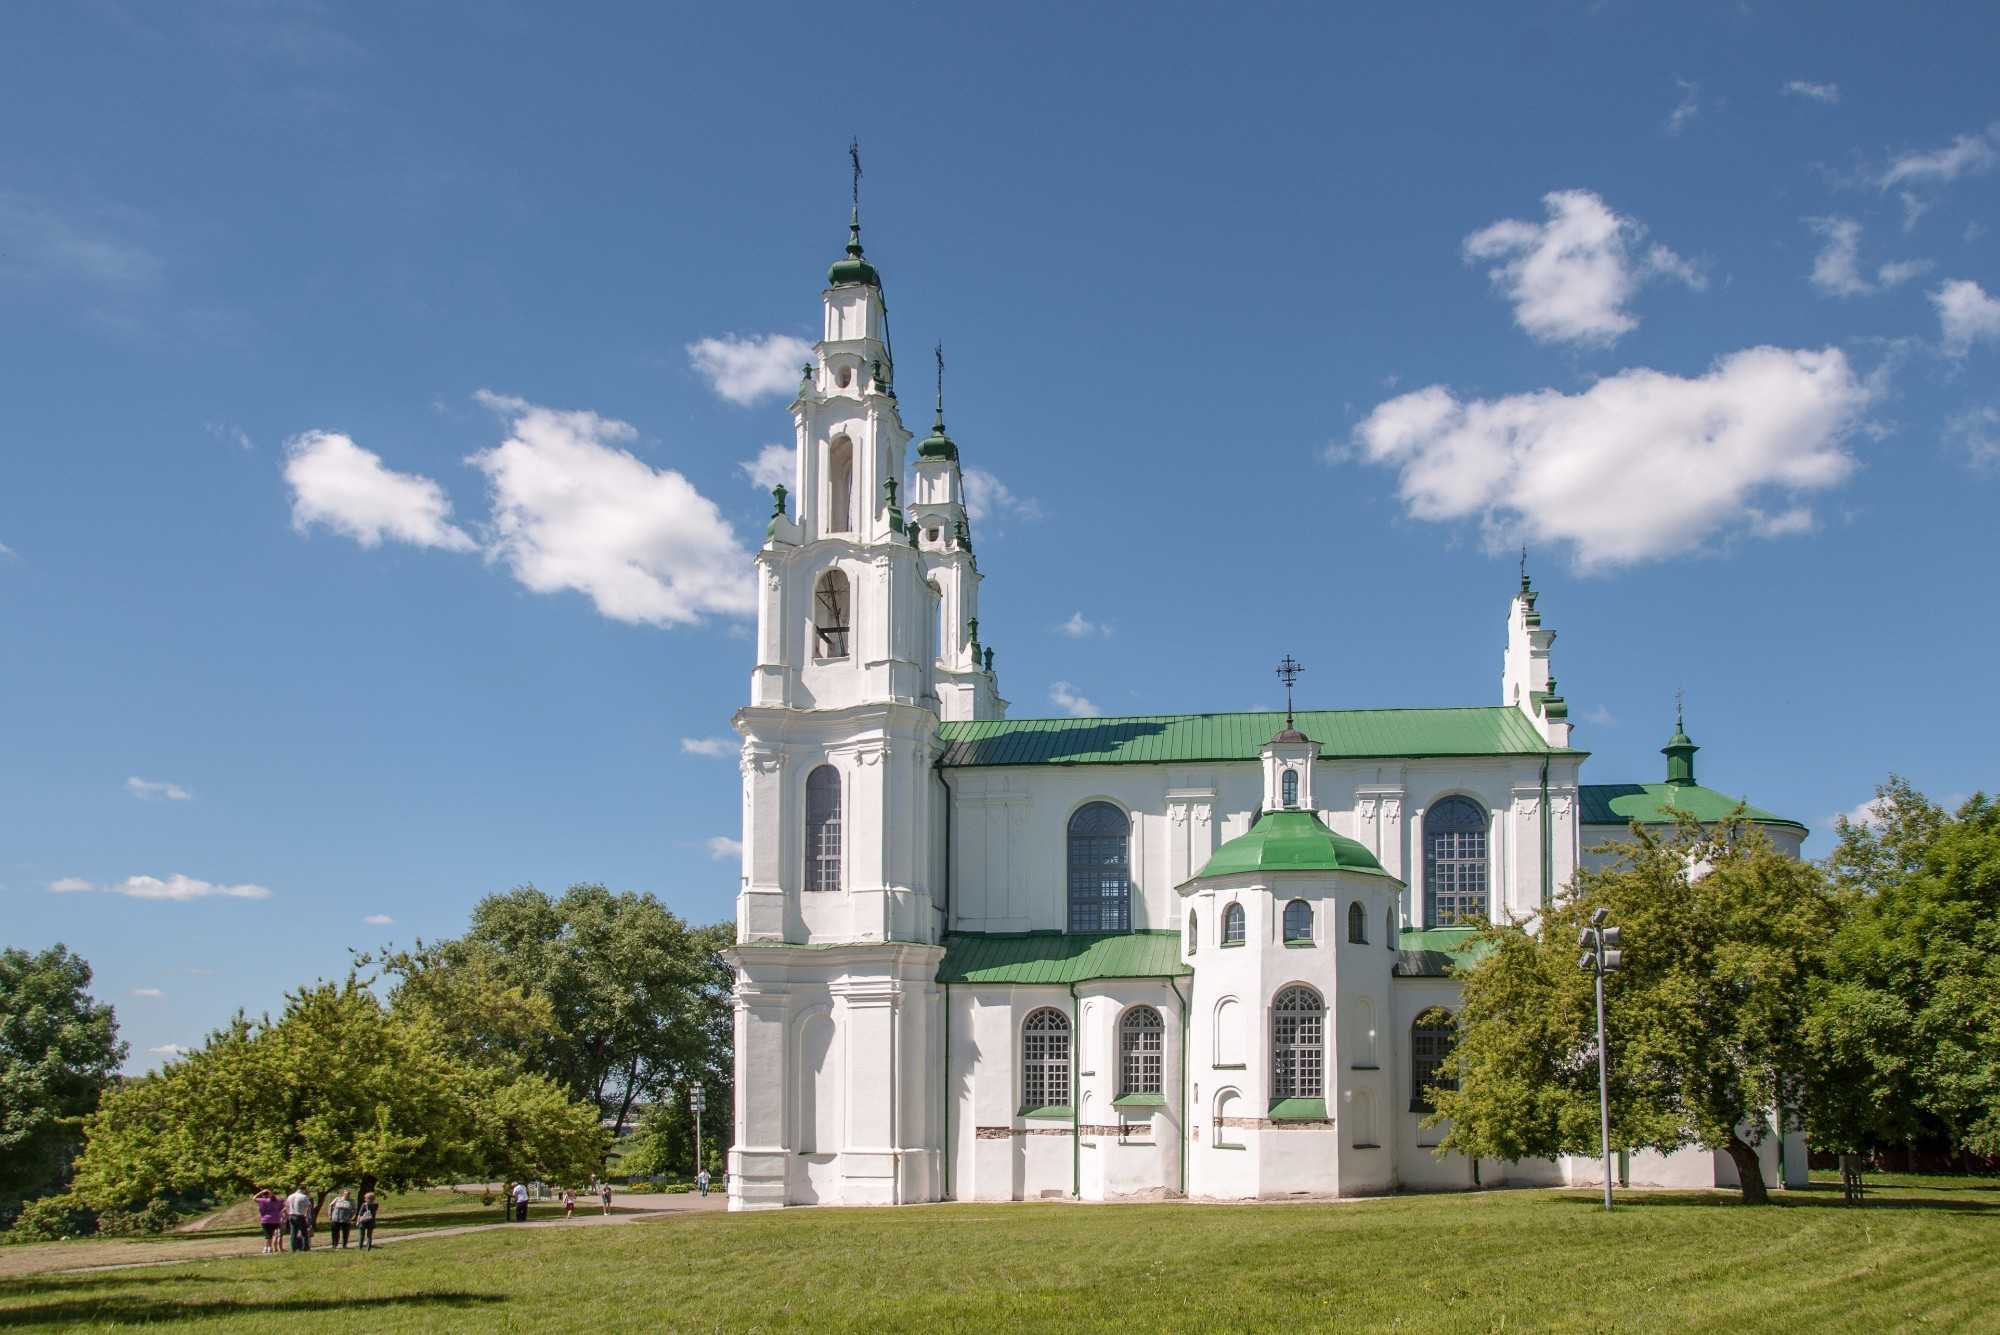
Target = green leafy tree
(1724,935)
(612,996)
(1905,1027)
(339,1089)
(58,1050)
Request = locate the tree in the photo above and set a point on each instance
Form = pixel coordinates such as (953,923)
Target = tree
(637,1001)
(1905,1028)
(1724,936)
(339,1089)
(58,1049)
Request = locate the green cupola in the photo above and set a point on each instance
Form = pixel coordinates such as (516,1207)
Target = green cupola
(937,445)
(1290,841)
(854,269)
(1679,751)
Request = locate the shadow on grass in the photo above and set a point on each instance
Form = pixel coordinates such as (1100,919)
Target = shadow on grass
(137,1308)
(1795,1199)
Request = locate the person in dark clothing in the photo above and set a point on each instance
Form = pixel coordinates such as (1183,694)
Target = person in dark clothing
(366,1218)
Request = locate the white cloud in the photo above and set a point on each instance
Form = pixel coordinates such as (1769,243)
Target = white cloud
(1965,314)
(1081,627)
(1967,155)
(722,848)
(744,370)
(147,992)
(1870,812)
(572,511)
(175,887)
(1640,466)
(168,1050)
(1817,92)
(337,483)
(378,920)
(1064,697)
(710,746)
(1978,432)
(229,433)
(1601,716)
(986,496)
(1686,109)
(774,466)
(147,789)
(1570,278)
(1837,268)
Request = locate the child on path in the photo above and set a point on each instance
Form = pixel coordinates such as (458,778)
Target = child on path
(271,1215)
(607,1198)
(342,1212)
(569,1202)
(366,1218)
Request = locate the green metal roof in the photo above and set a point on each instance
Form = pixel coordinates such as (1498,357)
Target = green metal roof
(1058,957)
(1431,953)
(1658,804)
(1290,841)
(1187,738)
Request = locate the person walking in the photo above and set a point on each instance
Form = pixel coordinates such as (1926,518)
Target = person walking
(569,1202)
(271,1216)
(342,1214)
(701,1180)
(298,1213)
(605,1191)
(366,1218)
(520,1203)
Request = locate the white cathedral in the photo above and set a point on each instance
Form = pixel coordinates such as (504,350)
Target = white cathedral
(1200,955)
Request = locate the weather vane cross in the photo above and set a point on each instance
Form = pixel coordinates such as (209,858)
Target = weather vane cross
(1289,669)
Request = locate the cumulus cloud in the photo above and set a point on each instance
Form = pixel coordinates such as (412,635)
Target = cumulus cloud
(175,887)
(1640,466)
(1966,155)
(1966,314)
(1064,696)
(168,1050)
(1837,268)
(148,789)
(715,747)
(1569,278)
(986,496)
(1869,813)
(1978,434)
(723,849)
(573,511)
(1814,92)
(348,489)
(744,370)
(1081,627)
(774,466)
(378,920)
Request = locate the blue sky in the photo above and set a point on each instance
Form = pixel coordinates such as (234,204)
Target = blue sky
(373,492)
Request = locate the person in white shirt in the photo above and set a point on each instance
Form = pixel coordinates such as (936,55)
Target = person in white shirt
(520,1203)
(298,1214)
(701,1179)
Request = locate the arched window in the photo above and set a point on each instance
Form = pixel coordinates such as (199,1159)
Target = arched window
(1454,863)
(936,635)
(1141,1042)
(1357,923)
(1298,1060)
(830,609)
(1100,883)
(1431,1038)
(1289,788)
(1045,1059)
(840,486)
(1389,928)
(1193,932)
(1228,1115)
(823,829)
(1298,921)
(1232,925)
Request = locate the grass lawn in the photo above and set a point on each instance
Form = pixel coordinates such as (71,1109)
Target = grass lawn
(1927,1255)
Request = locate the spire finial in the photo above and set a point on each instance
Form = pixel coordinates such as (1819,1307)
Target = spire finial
(938,424)
(1680,702)
(1289,669)
(1524,567)
(854,156)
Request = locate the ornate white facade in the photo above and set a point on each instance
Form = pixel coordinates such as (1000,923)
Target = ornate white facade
(1104,958)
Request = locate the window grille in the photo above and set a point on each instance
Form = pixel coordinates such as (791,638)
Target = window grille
(1141,1043)
(830,607)
(1357,923)
(1454,863)
(1298,1059)
(1431,1040)
(1298,921)
(823,829)
(1232,925)
(1289,787)
(1100,882)
(1045,1060)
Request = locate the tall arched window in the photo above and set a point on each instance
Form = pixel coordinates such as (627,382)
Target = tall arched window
(1232,925)
(1045,1059)
(1431,1038)
(936,636)
(1288,787)
(1389,928)
(1298,1048)
(1298,921)
(840,486)
(823,829)
(830,611)
(1100,882)
(1141,1044)
(1193,932)
(1357,923)
(1454,863)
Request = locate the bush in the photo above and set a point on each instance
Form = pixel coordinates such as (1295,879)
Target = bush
(155,1216)
(53,1218)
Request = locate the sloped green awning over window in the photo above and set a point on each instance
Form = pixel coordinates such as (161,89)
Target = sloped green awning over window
(1059,958)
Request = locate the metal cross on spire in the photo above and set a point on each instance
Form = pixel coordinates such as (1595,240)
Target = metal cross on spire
(940,384)
(854,156)
(1680,701)
(1289,669)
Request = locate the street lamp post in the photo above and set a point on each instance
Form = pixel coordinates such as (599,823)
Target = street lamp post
(1600,956)
(697,1100)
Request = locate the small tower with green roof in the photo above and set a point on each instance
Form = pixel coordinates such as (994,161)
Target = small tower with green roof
(1679,751)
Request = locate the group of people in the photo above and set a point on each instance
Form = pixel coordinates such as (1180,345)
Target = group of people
(289,1221)
(516,1200)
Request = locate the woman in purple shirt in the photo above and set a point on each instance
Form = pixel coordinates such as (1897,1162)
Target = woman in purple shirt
(271,1214)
